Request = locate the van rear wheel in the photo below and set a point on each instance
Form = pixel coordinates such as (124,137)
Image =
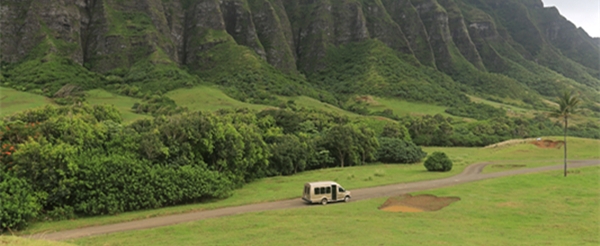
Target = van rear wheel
(324,201)
(346,199)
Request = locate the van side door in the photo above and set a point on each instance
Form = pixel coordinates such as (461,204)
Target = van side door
(334,192)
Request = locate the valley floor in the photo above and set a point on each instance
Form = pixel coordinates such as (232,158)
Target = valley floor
(470,174)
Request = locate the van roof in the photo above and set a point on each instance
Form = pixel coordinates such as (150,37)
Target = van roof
(318,183)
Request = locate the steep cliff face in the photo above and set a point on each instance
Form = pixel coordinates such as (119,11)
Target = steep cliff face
(275,33)
(239,24)
(407,17)
(435,20)
(460,34)
(522,44)
(530,30)
(26,24)
(382,27)
(573,42)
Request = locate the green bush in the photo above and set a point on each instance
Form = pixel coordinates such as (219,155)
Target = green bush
(395,150)
(18,203)
(438,162)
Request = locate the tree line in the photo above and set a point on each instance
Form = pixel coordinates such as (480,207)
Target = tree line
(67,161)
(62,162)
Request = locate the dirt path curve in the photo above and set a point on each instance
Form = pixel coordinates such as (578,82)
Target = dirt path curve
(470,174)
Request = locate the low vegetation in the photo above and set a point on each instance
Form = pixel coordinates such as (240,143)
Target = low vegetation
(286,187)
(70,155)
(524,209)
(13,101)
(19,241)
(438,162)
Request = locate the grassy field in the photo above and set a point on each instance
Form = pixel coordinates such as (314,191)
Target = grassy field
(12,101)
(211,99)
(208,98)
(498,105)
(122,103)
(308,102)
(17,241)
(402,108)
(533,209)
(514,111)
(525,154)
(278,188)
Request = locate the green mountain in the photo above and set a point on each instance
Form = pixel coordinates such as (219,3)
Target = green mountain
(434,51)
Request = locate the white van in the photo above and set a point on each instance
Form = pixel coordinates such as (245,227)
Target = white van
(324,192)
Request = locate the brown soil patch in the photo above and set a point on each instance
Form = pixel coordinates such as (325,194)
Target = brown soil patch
(420,203)
(508,166)
(548,144)
(510,143)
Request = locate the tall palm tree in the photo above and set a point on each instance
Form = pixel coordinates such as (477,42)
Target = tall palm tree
(568,103)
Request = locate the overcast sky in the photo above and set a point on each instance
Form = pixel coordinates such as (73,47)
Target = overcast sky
(583,13)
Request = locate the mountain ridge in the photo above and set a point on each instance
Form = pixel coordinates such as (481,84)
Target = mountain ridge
(502,49)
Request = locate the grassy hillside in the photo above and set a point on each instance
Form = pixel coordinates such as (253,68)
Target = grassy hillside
(352,178)
(122,103)
(402,108)
(518,210)
(12,101)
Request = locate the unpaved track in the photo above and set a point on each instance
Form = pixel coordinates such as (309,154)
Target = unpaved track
(471,173)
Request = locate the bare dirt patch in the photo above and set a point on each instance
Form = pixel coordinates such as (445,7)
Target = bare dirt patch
(420,203)
(508,166)
(548,144)
(509,143)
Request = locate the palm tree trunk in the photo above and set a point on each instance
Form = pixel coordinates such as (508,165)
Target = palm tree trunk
(566,125)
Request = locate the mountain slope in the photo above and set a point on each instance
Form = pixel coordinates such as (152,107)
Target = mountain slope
(509,50)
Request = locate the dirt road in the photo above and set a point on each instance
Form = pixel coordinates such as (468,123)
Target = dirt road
(471,173)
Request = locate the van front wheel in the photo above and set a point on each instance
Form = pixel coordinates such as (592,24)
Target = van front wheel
(346,199)
(324,201)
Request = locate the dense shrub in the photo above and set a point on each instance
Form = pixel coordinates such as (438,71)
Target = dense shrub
(158,105)
(114,184)
(438,162)
(18,203)
(395,150)
(477,111)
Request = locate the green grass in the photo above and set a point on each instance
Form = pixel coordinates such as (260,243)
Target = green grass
(210,98)
(402,108)
(514,111)
(523,154)
(264,190)
(499,105)
(533,209)
(17,241)
(308,102)
(122,103)
(278,188)
(201,98)
(13,101)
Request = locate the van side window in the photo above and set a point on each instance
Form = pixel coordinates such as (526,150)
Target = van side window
(323,190)
(317,191)
(328,190)
(341,189)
